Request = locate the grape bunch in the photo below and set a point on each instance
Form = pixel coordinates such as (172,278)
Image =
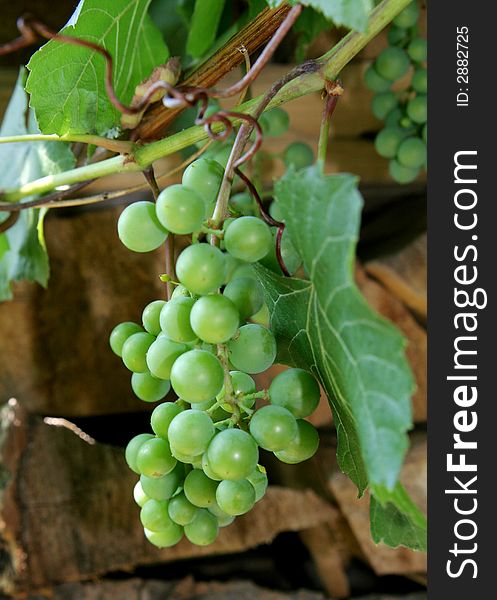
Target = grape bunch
(404,112)
(199,469)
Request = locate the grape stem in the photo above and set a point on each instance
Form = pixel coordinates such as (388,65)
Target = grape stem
(332,92)
(229,395)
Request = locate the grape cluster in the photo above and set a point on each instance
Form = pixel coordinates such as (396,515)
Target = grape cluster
(200,467)
(403,139)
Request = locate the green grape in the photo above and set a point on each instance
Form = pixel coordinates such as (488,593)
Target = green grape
(388,140)
(180,209)
(200,268)
(289,254)
(273,427)
(181,510)
(400,173)
(139,229)
(275,211)
(204,405)
(134,351)
(175,320)
(214,318)
(162,354)
(296,390)
(204,176)
(393,118)
(187,459)
(259,480)
(243,270)
(206,468)
(163,488)
(248,239)
(417,50)
(424,133)
(412,153)
(253,349)
(150,316)
(222,156)
(242,383)
(132,448)
(376,83)
(203,530)
(197,375)
(298,155)
(383,103)
(397,36)
(233,454)
(139,495)
(302,447)
(148,388)
(165,539)
(180,291)
(162,416)
(243,204)
(200,489)
(276,122)
(417,109)
(235,497)
(154,458)
(154,515)
(392,63)
(419,81)
(223,519)
(231,264)
(408,17)
(120,334)
(191,431)
(261,317)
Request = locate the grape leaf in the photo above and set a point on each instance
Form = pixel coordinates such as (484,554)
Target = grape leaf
(396,520)
(26,256)
(203,28)
(66,82)
(324,324)
(349,13)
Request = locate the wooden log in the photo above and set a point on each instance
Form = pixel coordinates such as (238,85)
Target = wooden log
(67,511)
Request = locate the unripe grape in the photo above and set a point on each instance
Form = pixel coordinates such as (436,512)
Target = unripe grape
(175,320)
(154,515)
(191,431)
(162,354)
(180,291)
(392,63)
(259,480)
(200,268)
(204,176)
(206,468)
(290,256)
(162,416)
(134,351)
(223,519)
(417,109)
(408,17)
(181,510)
(162,488)
(120,334)
(248,239)
(296,390)
(374,81)
(246,294)
(150,316)
(233,454)
(139,495)
(200,489)
(139,229)
(393,118)
(243,204)
(165,539)
(242,383)
(204,528)
(235,497)
(148,388)
(273,427)
(133,447)
(180,209)
(383,103)
(276,122)
(253,349)
(417,50)
(397,36)
(400,173)
(419,81)
(388,140)
(197,375)
(214,318)
(302,447)
(154,458)
(298,155)
(412,153)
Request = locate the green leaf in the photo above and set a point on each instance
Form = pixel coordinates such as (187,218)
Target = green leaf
(349,13)
(396,520)
(67,82)
(203,28)
(308,26)
(26,257)
(325,325)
